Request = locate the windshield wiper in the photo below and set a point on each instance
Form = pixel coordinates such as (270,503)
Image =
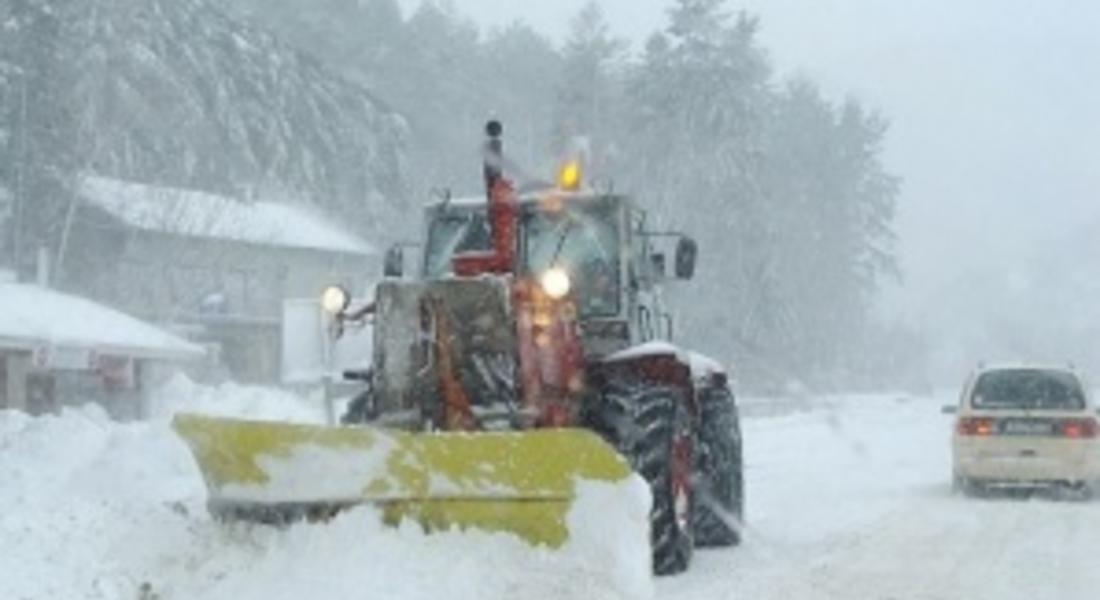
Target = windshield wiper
(561,242)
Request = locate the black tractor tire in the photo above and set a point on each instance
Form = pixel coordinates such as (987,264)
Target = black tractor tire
(719,493)
(648,424)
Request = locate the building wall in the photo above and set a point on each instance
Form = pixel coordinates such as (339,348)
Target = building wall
(14,368)
(167,275)
(41,390)
(230,293)
(26,388)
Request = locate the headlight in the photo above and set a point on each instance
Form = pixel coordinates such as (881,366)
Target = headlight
(335,299)
(555,282)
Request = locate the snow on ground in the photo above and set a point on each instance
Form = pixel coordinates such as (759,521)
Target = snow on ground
(94,509)
(233,400)
(847,498)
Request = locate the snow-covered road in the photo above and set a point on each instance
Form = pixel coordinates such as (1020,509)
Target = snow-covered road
(847,498)
(851,500)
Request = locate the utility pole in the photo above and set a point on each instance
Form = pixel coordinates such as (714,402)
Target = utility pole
(19,201)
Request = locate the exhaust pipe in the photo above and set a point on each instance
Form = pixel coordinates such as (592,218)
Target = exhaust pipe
(502,212)
(494,156)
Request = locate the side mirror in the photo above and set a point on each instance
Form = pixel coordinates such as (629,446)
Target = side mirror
(657,264)
(394,263)
(686,252)
(950,409)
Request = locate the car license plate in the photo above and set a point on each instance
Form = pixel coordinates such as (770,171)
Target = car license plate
(1027,428)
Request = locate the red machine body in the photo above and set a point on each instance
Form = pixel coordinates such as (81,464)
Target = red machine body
(501,257)
(551,358)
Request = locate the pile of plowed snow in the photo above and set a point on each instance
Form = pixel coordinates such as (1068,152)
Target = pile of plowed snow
(91,508)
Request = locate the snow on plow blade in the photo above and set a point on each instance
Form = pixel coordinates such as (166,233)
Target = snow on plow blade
(520,482)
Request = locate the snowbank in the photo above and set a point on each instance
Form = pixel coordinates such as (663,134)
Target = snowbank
(610,539)
(94,509)
(81,496)
(180,394)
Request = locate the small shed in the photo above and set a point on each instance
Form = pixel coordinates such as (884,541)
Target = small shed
(58,349)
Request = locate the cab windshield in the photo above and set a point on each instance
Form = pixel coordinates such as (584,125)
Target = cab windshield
(583,240)
(452,234)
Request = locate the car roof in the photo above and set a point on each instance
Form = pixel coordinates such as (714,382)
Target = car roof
(1024,366)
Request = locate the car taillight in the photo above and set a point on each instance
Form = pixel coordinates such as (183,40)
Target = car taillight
(978,426)
(1080,428)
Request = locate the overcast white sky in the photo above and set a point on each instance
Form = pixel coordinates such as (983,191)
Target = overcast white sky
(993,105)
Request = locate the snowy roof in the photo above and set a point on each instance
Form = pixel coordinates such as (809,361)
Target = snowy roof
(200,214)
(33,316)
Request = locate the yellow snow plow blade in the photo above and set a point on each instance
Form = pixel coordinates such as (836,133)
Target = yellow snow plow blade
(520,482)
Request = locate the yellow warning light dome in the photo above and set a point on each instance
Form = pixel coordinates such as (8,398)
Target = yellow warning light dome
(569,176)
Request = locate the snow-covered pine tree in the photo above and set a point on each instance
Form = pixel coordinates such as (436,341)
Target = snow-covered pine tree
(38,157)
(699,106)
(521,70)
(588,90)
(10,77)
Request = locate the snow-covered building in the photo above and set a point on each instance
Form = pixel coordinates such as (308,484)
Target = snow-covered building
(215,267)
(57,348)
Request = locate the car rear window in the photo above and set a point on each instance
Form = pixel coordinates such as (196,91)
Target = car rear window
(1028,389)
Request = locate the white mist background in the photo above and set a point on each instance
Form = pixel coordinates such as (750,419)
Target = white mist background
(994,118)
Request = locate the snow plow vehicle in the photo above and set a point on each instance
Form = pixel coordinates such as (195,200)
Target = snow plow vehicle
(530,353)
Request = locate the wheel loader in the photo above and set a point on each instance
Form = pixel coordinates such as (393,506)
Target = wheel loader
(530,351)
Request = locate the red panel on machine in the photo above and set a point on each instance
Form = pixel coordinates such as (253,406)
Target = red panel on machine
(503,212)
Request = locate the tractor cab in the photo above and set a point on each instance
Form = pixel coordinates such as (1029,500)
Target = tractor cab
(590,247)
